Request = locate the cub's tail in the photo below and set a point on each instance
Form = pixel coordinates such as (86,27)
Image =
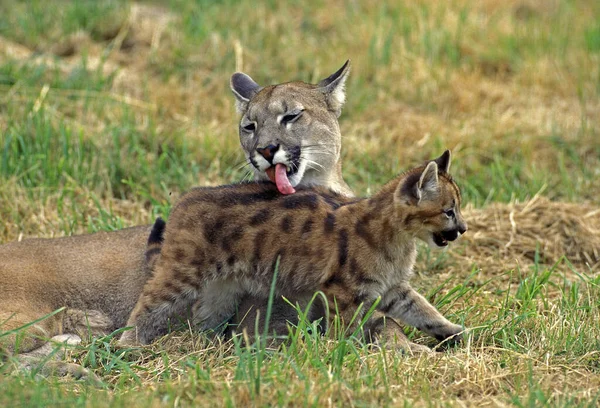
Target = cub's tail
(155,241)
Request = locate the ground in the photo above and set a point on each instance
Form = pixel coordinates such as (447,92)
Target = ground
(110,110)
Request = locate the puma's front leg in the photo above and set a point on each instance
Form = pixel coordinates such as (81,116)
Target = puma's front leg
(404,303)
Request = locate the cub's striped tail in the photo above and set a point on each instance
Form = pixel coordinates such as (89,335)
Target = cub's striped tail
(155,241)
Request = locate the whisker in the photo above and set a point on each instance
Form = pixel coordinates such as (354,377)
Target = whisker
(312,161)
(320,145)
(247,176)
(308,161)
(316,151)
(309,166)
(294,166)
(314,165)
(241,165)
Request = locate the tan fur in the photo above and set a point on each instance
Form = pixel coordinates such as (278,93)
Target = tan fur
(100,276)
(100,273)
(223,242)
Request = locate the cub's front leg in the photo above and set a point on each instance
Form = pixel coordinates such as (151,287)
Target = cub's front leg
(404,303)
(383,330)
(163,300)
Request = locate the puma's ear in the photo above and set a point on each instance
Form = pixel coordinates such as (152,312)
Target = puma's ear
(244,88)
(334,88)
(418,187)
(443,162)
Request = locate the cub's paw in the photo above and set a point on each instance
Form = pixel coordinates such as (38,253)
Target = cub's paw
(129,339)
(416,349)
(451,334)
(403,346)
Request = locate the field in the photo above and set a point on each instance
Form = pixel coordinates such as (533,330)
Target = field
(109,110)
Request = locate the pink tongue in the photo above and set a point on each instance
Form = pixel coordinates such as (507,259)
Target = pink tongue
(278,175)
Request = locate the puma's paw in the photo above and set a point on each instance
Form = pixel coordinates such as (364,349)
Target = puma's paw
(53,347)
(86,322)
(62,369)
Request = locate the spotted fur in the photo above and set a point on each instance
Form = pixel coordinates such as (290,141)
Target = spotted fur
(357,251)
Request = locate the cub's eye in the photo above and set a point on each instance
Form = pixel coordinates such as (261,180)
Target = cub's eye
(249,127)
(449,213)
(291,117)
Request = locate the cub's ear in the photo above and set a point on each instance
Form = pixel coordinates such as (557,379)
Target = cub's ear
(334,88)
(244,88)
(443,162)
(418,187)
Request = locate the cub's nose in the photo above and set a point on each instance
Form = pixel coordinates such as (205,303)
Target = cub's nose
(462,228)
(268,152)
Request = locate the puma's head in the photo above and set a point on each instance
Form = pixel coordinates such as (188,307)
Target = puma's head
(290,132)
(428,201)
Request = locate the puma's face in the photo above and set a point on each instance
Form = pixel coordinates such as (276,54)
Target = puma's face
(290,132)
(290,125)
(430,203)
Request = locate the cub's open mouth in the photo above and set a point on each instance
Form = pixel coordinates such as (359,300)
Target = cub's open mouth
(279,174)
(439,239)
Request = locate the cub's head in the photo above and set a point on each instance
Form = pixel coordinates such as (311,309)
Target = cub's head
(290,132)
(428,201)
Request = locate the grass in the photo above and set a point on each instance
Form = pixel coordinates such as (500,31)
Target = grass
(109,110)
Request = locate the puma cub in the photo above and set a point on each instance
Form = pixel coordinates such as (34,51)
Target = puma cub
(222,242)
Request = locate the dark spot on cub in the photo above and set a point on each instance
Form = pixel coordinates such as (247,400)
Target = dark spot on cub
(294,201)
(212,230)
(179,255)
(343,247)
(259,240)
(329,223)
(231,260)
(286,224)
(307,227)
(261,217)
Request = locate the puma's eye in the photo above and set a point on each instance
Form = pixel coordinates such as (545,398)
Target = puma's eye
(291,117)
(249,127)
(449,213)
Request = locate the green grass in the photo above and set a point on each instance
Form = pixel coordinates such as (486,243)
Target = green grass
(109,111)
(504,355)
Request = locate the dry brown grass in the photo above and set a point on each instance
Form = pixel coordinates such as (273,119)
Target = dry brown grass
(502,235)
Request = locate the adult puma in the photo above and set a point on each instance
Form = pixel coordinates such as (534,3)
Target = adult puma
(291,127)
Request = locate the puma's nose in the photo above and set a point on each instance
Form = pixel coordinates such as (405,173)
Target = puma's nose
(462,228)
(268,152)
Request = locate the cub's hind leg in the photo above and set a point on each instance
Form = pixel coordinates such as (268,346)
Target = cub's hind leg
(216,304)
(252,310)
(167,299)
